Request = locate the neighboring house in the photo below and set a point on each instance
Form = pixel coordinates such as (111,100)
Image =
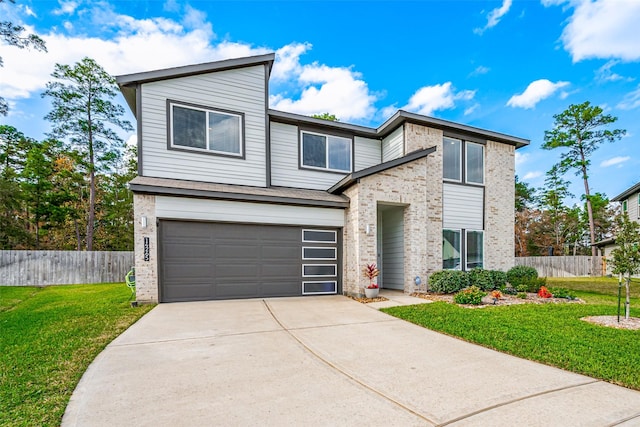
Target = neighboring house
(630,204)
(234,200)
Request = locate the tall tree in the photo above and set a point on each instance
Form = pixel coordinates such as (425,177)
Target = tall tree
(85,113)
(14,35)
(581,129)
(525,216)
(626,256)
(326,116)
(555,191)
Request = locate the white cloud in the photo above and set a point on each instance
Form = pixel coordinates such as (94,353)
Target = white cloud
(428,99)
(618,160)
(521,158)
(288,61)
(532,175)
(481,69)
(493,18)
(471,109)
(534,93)
(601,29)
(66,8)
(630,100)
(605,74)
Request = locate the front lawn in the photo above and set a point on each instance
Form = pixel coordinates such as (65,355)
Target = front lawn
(549,333)
(48,338)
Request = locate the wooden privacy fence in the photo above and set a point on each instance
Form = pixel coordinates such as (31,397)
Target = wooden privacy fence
(564,266)
(39,268)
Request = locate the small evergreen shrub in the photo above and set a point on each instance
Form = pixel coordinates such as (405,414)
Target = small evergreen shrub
(481,278)
(522,295)
(562,293)
(471,295)
(508,290)
(499,279)
(531,285)
(521,273)
(448,281)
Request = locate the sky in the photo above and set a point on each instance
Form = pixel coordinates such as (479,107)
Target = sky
(506,65)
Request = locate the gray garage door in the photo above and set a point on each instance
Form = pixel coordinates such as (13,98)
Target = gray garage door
(204,261)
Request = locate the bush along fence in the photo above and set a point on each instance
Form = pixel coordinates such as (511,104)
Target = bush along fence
(564,266)
(41,268)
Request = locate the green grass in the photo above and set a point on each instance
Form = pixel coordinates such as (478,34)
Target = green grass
(48,338)
(549,333)
(600,285)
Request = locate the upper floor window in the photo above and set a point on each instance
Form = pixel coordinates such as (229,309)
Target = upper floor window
(319,151)
(624,206)
(204,129)
(454,152)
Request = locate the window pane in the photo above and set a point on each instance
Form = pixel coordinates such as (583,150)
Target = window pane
(319,287)
(474,249)
(314,150)
(224,133)
(318,236)
(339,153)
(451,153)
(319,270)
(450,249)
(189,127)
(475,163)
(318,253)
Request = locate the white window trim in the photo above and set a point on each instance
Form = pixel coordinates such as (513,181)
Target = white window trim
(335,270)
(466,171)
(326,136)
(207,111)
(461,160)
(335,236)
(462,255)
(334,249)
(335,288)
(466,247)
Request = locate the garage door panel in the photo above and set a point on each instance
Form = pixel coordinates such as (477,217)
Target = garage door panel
(201,260)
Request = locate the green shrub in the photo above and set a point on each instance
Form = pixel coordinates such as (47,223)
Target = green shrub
(448,281)
(499,279)
(471,295)
(508,290)
(520,273)
(522,295)
(531,285)
(481,278)
(562,293)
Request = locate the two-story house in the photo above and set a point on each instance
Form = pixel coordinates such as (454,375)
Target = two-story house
(234,200)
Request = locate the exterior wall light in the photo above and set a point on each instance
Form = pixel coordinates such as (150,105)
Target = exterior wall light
(418,280)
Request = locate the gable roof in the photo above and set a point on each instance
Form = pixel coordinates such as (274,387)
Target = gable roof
(626,193)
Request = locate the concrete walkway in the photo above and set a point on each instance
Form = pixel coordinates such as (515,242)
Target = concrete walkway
(324,361)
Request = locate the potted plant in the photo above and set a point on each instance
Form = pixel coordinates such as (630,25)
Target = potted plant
(372,289)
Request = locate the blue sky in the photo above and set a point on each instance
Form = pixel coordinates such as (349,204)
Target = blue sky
(505,65)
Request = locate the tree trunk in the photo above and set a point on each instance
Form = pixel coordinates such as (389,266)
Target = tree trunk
(592,226)
(626,301)
(92,182)
(78,238)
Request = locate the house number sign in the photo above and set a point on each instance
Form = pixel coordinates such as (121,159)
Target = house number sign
(146,249)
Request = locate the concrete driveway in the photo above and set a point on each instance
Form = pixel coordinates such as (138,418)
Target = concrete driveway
(324,361)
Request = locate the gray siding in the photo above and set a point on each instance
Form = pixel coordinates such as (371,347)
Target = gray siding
(257,213)
(284,162)
(393,145)
(463,207)
(241,90)
(367,153)
(393,248)
(632,207)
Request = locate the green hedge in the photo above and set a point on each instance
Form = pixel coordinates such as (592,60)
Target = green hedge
(452,281)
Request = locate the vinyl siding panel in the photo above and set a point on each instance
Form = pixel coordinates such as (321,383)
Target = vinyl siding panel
(241,90)
(632,206)
(284,162)
(256,213)
(463,207)
(393,248)
(367,153)
(393,145)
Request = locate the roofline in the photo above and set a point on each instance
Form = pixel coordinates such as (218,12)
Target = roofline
(402,116)
(296,119)
(352,178)
(195,69)
(605,242)
(626,193)
(221,195)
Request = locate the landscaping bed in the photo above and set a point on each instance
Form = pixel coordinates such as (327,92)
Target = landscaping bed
(505,299)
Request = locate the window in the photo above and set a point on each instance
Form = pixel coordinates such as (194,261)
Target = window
(319,236)
(475,249)
(451,250)
(311,288)
(452,153)
(207,130)
(624,206)
(319,270)
(328,152)
(475,163)
(319,253)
